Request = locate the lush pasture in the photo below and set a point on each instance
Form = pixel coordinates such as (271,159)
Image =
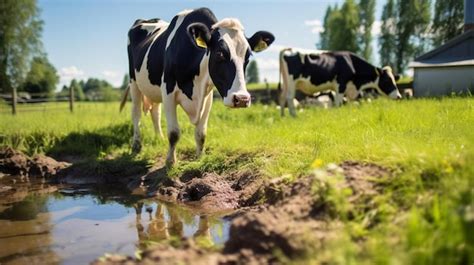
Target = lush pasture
(418,133)
(428,207)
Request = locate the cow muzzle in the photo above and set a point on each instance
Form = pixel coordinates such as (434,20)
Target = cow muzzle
(241,101)
(395,95)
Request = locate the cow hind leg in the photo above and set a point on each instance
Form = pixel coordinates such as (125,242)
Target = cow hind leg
(136,115)
(156,119)
(282,101)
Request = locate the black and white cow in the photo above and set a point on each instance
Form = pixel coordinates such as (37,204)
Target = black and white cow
(178,63)
(345,73)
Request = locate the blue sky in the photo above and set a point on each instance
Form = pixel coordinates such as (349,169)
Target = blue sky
(87,38)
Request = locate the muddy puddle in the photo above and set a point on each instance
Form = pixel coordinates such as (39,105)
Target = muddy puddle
(40,223)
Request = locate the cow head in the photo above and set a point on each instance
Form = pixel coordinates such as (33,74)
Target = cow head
(229,51)
(387,82)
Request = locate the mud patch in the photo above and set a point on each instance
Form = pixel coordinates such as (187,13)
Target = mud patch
(210,192)
(294,221)
(16,163)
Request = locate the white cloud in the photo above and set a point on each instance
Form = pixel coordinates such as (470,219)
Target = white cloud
(112,77)
(66,74)
(268,68)
(316,26)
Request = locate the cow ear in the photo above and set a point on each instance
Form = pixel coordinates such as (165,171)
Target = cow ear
(260,40)
(200,34)
(397,77)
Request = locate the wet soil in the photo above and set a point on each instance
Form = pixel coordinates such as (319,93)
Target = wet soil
(293,220)
(16,163)
(290,218)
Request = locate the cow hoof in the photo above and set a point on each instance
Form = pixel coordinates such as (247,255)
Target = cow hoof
(169,163)
(136,147)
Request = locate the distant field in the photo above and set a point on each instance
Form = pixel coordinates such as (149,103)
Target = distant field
(428,143)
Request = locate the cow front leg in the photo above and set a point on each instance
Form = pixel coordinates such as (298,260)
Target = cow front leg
(156,119)
(172,129)
(136,114)
(201,127)
(340,90)
(338,99)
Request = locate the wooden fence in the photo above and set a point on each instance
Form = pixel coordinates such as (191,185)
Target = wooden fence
(35,102)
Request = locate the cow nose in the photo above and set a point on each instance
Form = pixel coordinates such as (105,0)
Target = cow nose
(241,101)
(399,96)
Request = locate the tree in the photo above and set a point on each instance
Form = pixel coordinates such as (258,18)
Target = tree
(101,90)
(448,20)
(20,32)
(387,39)
(412,30)
(41,79)
(126,80)
(324,35)
(252,72)
(342,27)
(366,16)
(78,93)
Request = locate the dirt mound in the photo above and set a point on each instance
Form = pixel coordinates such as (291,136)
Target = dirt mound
(16,163)
(209,192)
(296,219)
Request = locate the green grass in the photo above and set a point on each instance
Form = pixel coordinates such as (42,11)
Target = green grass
(425,216)
(405,80)
(418,134)
(261,86)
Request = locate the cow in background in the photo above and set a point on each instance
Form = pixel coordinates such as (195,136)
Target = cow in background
(345,73)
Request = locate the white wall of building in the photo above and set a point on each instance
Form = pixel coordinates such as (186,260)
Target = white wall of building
(440,81)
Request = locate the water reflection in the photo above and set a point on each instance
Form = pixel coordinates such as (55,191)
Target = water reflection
(68,228)
(25,225)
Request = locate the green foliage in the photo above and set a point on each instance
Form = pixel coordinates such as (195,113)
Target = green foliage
(367,18)
(126,80)
(252,73)
(41,79)
(78,93)
(100,90)
(404,32)
(20,39)
(412,30)
(341,27)
(324,35)
(387,39)
(447,21)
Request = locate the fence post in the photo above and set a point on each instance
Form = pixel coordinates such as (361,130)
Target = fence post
(14,99)
(71,98)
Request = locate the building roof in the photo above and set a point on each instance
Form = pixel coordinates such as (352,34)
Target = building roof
(455,52)
(416,64)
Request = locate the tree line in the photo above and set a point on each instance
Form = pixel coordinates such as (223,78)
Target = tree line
(24,66)
(408,28)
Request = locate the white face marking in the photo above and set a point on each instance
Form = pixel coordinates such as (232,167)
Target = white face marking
(238,47)
(395,94)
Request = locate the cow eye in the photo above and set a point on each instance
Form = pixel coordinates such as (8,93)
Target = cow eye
(220,56)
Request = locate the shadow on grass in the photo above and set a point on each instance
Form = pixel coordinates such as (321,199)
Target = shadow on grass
(90,144)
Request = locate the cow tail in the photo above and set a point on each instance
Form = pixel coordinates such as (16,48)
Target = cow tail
(281,66)
(124,98)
